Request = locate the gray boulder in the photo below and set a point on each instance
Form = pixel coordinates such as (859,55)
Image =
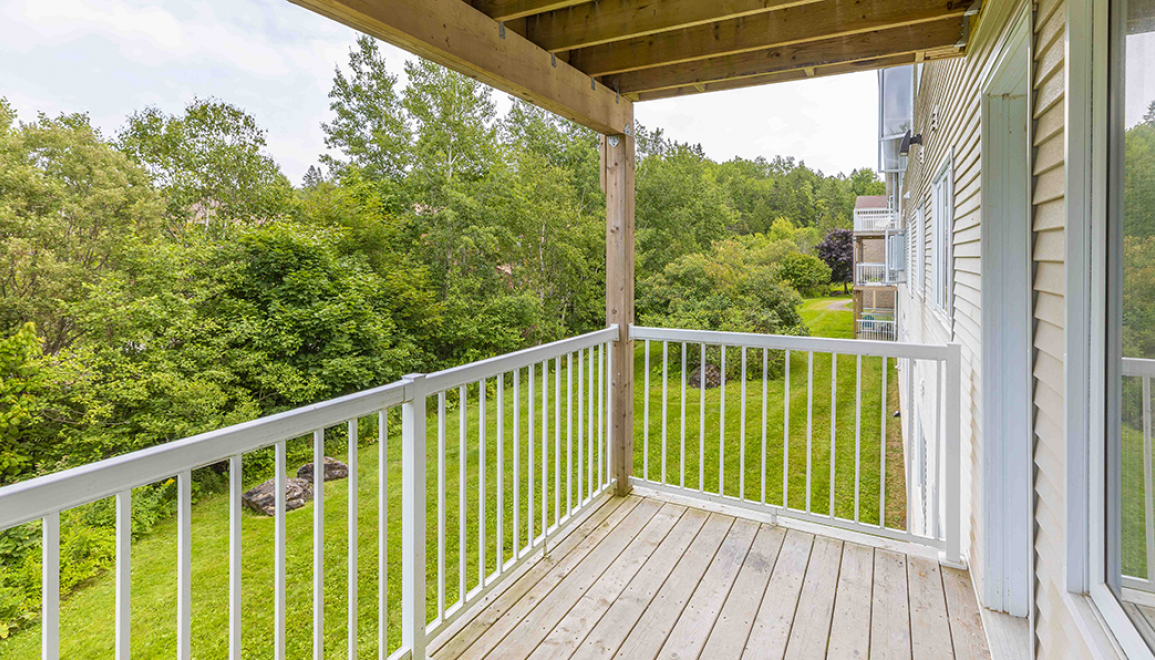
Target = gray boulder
(263,498)
(712,378)
(334,469)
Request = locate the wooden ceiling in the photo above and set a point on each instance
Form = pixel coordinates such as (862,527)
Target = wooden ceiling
(590,59)
(648,49)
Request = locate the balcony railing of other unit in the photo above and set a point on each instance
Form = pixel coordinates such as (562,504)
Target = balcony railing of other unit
(876,329)
(549,434)
(875,220)
(1138,549)
(875,274)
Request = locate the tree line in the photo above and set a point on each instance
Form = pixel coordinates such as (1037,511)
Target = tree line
(169,279)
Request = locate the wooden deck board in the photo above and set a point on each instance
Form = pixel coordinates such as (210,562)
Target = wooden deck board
(594,573)
(850,631)
(640,580)
(811,631)
(561,643)
(693,627)
(728,639)
(646,639)
(929,627)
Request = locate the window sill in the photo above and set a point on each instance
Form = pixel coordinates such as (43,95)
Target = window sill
(1092,628)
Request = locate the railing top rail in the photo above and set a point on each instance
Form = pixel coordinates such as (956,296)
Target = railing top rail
(35,498)
(471,373)
(785,342)
(1138,367)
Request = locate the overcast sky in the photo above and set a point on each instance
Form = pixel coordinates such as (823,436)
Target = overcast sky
(275,60)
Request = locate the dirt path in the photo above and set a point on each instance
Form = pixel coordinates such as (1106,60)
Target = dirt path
(841,305)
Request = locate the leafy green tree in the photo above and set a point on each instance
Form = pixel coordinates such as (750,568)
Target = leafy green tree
(806,273)
(209,163)
(71,208)
(453,119)
(680,207)
(728,288)
(370,126)
(21,382)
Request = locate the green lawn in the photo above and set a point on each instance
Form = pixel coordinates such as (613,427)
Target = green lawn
(87,616)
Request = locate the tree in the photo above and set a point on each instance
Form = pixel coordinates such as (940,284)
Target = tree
(837,252)
(806,273)
(21,382)
(209,163)
(71,209)
(453,126)
(370,126)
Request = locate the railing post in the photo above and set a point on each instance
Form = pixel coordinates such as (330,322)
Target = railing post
(618,183)
(413,516)
(953,456)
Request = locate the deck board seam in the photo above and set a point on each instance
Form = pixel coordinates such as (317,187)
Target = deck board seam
(714,622)
(576,601)
(577,645)
(762,596)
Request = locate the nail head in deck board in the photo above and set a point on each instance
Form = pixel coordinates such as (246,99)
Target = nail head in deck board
(621,561)
(771,629)
(600,555)
(728,639)
(966,625)
(539,578)
(626,603)
(929,628)
(693,628)
(890,608)
(850,631)
(654,627)
(811,630)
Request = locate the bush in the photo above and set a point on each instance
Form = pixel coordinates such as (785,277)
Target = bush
(806,273)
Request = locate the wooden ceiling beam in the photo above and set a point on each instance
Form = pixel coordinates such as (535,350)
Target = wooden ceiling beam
(454,34)
(832,18)
(857,47)
(614,20)
(778,77)
(508,10)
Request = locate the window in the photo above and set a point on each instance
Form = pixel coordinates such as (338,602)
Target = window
(917,271)
(942,216)
(1129,563)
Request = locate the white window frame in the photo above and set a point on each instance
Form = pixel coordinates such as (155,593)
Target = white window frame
(919,269)
(942,220)
(1097,611)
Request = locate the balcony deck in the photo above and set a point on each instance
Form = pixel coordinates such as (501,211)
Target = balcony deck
(642,579)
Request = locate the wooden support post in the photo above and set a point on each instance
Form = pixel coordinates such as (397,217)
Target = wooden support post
(618,182)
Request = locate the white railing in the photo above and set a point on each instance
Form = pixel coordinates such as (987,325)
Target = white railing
(792,472)
(876,329)
(868,274)
(875,220)
(1144,371)
(580,470)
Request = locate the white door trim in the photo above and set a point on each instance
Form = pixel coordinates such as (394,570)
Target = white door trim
(1007,330)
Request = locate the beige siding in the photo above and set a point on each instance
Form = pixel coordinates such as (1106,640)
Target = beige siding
(948,114)
(1056,632)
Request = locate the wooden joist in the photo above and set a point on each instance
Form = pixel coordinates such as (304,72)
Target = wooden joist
(455,34)
(507,10)
(602,22)
(809,22)
(798,74)
(795,57)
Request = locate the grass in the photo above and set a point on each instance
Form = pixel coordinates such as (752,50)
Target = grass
(87,615)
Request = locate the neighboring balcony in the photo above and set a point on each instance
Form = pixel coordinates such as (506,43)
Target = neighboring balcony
(876,325)
(874,220)
(875,274)
(770,512)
